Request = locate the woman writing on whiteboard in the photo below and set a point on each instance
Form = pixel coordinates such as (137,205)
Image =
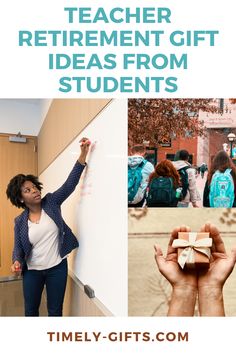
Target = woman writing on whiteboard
(42,238)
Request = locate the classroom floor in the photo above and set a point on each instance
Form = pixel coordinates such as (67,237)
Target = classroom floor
(11,299)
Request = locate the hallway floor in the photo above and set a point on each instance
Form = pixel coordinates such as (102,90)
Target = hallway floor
(11,299)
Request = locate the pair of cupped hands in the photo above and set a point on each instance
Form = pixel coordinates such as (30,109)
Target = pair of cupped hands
(221,264)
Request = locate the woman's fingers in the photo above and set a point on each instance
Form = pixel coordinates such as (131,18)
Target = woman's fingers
(85,141)
(233,255)
(174,235)
(218,244)
(16,268)
(160,260)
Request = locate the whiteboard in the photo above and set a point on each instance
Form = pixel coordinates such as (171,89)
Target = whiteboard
(97,210)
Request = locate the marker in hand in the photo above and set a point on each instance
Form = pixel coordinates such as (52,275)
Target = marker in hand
(85,141)
(16,268)
(84,147)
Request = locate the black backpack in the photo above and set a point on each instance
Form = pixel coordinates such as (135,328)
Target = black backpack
(184,181)
(161,193)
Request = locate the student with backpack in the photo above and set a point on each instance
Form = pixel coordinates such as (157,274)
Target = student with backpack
(139,170)
(203,169)
(187,174)
(163,188)
(220,187)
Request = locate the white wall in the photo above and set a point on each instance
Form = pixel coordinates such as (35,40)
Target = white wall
(96,211)
(20,115)
(44,105)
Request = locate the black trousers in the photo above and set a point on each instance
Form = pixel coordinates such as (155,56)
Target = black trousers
(55,281)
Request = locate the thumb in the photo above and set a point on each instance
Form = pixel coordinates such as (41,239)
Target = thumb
(160,260)
(233,255)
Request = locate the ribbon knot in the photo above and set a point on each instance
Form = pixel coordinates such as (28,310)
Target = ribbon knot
(190,246)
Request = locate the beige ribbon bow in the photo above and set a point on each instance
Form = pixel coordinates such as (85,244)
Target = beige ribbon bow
(187,256)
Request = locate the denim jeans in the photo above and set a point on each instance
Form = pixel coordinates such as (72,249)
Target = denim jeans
(55,281)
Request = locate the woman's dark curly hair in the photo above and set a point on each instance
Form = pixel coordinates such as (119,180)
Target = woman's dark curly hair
(14,188)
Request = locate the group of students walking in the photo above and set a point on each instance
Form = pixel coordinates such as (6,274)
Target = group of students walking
(173,183)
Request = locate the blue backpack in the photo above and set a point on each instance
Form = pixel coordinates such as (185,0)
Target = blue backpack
(222,190)
(134,180)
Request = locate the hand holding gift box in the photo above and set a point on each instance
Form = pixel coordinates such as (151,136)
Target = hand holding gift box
(193,249)
(206,279)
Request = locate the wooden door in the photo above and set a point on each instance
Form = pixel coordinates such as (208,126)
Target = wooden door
(15,158)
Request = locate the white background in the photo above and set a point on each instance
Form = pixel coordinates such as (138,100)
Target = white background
(206,335)
(24,70)
(24,74)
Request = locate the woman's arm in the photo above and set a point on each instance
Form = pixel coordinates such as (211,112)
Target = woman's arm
(68,187)
(184,284)
(182,301)
(211,302)
(211,282)
(85,144)
(18,253)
